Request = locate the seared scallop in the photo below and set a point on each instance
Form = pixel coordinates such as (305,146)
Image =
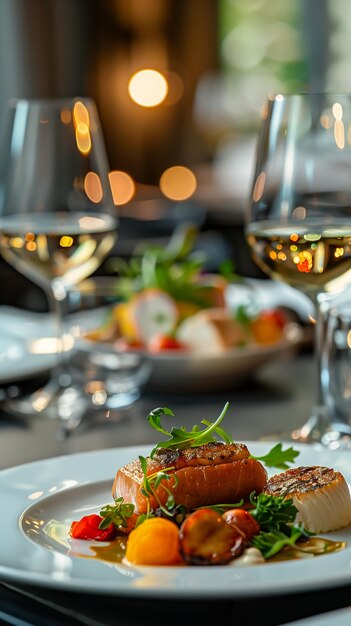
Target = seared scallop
(320,494)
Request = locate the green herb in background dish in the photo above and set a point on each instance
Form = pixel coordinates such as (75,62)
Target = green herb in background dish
(175,269)
(180,438)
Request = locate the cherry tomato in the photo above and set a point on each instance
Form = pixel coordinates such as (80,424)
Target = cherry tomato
(267,328)
(242,520)
(88,528)
(206,539)
(158,343)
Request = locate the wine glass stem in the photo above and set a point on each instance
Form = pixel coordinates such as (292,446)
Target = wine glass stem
(58,304)
(322,302)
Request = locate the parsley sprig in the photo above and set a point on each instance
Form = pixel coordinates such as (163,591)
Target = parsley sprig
(116,514)
(272,512)
(276,516)
(277,457)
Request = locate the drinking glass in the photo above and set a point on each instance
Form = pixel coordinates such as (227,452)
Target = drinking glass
(57,217)
(299,222)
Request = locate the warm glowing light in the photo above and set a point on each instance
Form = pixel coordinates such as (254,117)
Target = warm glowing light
(83,138)
(337,111)
(279,246)
(338,252)
(66,116)
(294,237)
(259,187)
(66,241)
(293,248)
(349,339)
(339,134)
(325,121)
(30,236)
(178,183)
(122,187)
(148,88)
(305,262)
(16,242)
(93,187)
(80,114)
(31,246)
(273,255)
(282,256)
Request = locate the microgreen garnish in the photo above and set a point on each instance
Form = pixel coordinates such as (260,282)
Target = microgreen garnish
(277,457)
(116,514)
(149,489)
(179,438)
(222,508)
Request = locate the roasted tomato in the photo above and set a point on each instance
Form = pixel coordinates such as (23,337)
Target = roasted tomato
(164,342)
(88,528)
(206,539)
(241,519)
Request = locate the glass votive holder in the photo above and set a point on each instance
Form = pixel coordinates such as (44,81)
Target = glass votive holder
(336,374)
(109,376)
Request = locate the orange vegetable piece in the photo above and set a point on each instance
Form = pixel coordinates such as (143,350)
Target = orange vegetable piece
(154,542)
(267,328)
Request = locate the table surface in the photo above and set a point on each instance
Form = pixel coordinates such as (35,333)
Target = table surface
(278,400)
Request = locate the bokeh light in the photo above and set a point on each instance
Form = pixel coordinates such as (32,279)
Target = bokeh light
(122,187)
(92,187)
(148,88)
(178,183)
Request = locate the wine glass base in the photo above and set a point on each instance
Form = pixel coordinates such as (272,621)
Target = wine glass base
(315,429)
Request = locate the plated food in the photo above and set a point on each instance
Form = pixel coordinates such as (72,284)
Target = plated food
(166,302)
(200,499)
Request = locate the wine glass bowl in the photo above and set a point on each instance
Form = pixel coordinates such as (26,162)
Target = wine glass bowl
(299,221)
(57,217)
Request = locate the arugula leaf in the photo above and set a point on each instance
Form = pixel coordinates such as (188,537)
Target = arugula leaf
(116,514)
(179,438)
(277,457)
(272,542)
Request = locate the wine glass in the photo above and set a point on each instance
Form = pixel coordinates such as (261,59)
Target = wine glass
(299,221)
(57,217)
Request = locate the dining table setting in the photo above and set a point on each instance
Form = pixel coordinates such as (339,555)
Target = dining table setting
(129,403)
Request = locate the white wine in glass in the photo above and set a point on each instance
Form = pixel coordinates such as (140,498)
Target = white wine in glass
(299,222)
(57,217)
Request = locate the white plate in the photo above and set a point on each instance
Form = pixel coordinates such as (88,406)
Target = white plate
(43,498)
(22,355)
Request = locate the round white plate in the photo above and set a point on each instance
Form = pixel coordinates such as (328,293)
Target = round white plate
(42,499)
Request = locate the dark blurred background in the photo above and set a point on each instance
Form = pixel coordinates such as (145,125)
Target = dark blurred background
(181,148)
